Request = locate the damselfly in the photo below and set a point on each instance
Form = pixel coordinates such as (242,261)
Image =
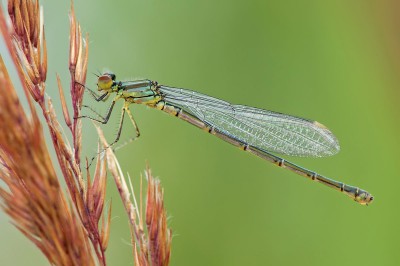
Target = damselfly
(257,131)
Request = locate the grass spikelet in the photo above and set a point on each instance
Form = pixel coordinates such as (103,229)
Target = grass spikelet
(71,226)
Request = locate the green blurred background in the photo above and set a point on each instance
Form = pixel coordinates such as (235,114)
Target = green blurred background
(333,61)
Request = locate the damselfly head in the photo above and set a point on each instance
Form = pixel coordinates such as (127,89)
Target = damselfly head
(105,82)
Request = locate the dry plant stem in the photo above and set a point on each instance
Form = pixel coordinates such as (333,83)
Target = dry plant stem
(159,235)
(33,197)
(80,70)
(155,247)
(6,32)
(123,191)
(77,67)
(91,209)
(27,46)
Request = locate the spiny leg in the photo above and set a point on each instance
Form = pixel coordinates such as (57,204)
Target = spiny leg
(121,122)
(116,139)
(96,97)
(94,111)
(99,98)
(103,97)
(105,119)
(134,124)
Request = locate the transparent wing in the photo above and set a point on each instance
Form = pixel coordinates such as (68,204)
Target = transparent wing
(263,129)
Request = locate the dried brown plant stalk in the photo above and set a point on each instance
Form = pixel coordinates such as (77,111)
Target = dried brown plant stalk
(33,197)
(68,234)
(153,248)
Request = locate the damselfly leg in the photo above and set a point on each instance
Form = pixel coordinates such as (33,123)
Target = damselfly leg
(104,119)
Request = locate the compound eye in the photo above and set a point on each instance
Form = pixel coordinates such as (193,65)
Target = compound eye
(110,74)
(105,82)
